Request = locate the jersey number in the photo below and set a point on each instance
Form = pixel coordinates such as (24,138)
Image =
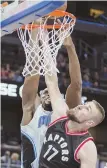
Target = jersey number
(55,152)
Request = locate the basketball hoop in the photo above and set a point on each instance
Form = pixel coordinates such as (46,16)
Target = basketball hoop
(41,51)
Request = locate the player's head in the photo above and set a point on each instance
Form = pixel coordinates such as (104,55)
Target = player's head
(88,115)
(45,100)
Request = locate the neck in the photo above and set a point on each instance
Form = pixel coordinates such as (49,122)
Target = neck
(75,127)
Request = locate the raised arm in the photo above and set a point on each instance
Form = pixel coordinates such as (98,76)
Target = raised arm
(29,92)
(73,93)
(58,104)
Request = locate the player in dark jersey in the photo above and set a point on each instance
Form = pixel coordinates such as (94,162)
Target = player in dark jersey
(67,143)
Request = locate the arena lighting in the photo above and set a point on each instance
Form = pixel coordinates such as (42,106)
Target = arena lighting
(96,13)
(13,90)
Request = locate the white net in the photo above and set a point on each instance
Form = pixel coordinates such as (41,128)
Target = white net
(41,49)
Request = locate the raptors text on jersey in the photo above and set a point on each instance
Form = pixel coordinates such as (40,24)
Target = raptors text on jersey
(60,147)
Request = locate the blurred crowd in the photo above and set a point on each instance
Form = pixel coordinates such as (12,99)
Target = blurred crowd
(12,74)
(95,79)
(10,160)
(91,78)
(10,150)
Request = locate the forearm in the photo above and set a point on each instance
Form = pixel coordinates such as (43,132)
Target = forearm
(29,92)
(73,93)
(58,104)
(30,88)
(88,164)
(53,89)
(31,82)
(74,66)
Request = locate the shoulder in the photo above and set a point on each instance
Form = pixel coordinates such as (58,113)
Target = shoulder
(88,152)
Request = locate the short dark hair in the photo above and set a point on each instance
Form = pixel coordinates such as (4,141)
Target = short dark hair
(100,108)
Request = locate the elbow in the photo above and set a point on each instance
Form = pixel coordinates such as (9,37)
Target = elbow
(28,108)
(79,85)
(76,85)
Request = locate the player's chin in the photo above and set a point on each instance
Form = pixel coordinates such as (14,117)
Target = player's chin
(73,118)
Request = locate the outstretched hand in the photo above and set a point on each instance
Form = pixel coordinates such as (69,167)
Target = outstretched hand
(68,40)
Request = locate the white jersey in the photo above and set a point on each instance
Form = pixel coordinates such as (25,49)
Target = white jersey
(34,134)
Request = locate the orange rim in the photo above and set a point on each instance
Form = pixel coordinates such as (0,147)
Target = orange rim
(57,13)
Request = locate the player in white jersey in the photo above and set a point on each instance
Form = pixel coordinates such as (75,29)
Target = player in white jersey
(37,111)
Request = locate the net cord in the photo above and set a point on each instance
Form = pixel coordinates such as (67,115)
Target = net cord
(41,53)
